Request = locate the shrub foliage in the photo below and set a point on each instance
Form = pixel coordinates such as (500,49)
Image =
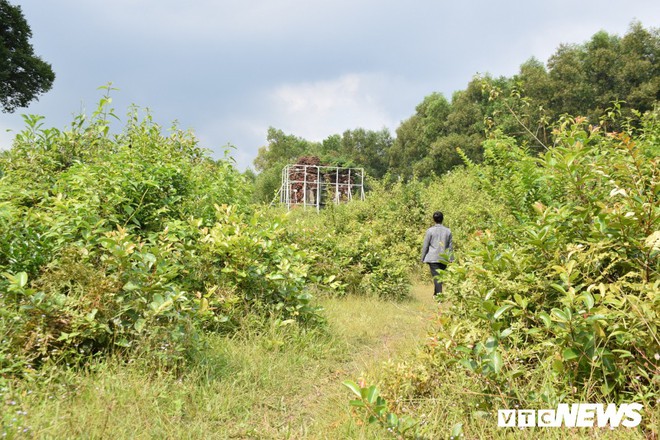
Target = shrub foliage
(573,284)
(554,299)
(128,241)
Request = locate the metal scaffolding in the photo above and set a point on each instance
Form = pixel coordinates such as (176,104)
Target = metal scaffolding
(316,185)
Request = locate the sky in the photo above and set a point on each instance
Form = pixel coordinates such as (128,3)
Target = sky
(229,69)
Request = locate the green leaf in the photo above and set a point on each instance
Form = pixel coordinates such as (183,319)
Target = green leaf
(546,319)
(123,342)
(501,310)
(491,343)
(130,286)
(558,366)
(623,353)
(22,279)
(91,315)
(469,364)
(372,394)
(570,353)
(363,393)
(588,300)
(66,336)
(357,403)
(355,388)
(139,324)
(457,430)
(607,388)
(560,314)
(558,288)
(392,420)
(497,362)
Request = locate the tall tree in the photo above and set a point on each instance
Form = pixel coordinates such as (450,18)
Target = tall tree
(282,149)
(359,148)
(23,75)
(639,77)
(416,134)
(585,79)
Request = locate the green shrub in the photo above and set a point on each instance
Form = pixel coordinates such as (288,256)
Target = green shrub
(572,287)
(554,293)
(364,247)
(132,241)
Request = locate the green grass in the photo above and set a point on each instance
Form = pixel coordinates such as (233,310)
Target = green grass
(270,382)
(452,402)
(439,398)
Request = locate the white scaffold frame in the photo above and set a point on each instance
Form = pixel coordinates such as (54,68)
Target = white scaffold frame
(319,184)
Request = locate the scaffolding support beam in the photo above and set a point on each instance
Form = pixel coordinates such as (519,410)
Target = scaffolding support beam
(315,185)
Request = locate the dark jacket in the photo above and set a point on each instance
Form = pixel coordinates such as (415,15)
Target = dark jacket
(437,247)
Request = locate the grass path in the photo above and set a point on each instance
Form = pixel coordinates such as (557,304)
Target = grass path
(374,331)
(278,383)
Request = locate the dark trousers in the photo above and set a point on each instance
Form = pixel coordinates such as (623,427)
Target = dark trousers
(435,271)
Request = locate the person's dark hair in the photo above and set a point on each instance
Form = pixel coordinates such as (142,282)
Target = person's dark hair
(438,217)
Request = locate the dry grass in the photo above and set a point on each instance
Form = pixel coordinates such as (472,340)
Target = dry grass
(274,383)
(281,382)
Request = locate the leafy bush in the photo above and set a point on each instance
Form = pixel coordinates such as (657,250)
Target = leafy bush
(554,294)
(574,285)
(365,247)
(373,247)
(557,299)
(133,241)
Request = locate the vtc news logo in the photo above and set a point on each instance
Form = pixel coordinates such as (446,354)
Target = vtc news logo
(577,415)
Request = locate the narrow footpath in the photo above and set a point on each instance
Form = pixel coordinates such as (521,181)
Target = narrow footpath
(374,332)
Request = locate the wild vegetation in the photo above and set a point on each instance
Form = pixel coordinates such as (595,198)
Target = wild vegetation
(132,241)
(578,79)
(139,275)
(557,300)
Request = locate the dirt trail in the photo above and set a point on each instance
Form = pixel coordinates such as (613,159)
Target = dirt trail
(375,331)
(379,330)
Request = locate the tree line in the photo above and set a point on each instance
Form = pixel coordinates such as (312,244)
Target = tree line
(608,73)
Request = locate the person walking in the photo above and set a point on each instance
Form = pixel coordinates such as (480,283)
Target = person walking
(437,250)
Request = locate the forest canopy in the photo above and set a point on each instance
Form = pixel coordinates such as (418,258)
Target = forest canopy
(586,79)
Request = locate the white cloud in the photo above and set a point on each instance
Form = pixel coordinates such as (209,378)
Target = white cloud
(229,69)
(315,110)
(312,110)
